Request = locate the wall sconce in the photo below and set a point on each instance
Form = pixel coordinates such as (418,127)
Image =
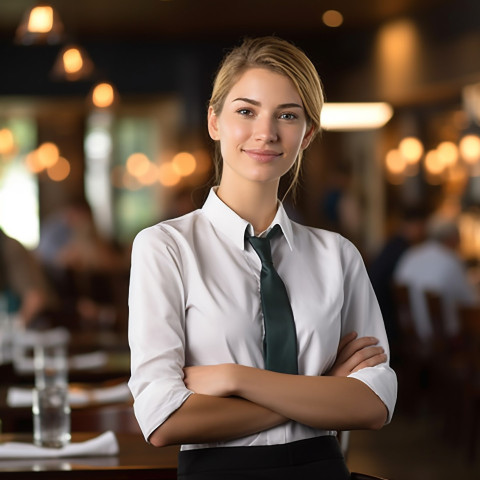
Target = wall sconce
(72,63)
(40,24)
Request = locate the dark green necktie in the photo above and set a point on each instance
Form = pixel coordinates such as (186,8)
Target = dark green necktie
(280,343)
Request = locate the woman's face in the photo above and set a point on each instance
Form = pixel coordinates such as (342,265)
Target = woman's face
(261,128)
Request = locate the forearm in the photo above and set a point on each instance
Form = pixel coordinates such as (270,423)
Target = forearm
(337,403)
(205,418)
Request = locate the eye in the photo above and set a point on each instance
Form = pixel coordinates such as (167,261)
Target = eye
(288,116)
(245,112)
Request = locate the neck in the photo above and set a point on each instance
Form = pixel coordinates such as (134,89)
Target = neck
(256,204)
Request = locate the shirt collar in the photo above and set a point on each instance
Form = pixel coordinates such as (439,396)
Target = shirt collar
(224,219)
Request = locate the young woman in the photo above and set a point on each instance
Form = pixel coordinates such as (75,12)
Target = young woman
(196,323)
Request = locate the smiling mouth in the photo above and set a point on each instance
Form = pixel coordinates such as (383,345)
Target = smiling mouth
(262,155)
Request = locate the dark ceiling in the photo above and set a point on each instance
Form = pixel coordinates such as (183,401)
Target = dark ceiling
(186,19)
(155,46)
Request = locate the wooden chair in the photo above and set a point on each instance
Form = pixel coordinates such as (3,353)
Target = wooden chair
(436,312)
(118,417)
(470,328)
(414,362)
(443,374)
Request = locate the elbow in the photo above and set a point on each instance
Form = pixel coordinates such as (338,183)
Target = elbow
(160,438)
(377,418)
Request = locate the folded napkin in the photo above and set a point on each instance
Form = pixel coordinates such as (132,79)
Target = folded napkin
(104,444)
(22,397)
(81,361)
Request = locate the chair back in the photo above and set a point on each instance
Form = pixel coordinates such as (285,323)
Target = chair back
(437,318)
(470,331)
(404,315)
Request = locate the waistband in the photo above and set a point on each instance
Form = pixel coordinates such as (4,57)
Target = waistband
(264,456)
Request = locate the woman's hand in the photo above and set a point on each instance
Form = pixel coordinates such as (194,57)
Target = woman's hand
(356,353)
(216,380)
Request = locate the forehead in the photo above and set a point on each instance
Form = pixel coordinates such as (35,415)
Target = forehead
(257,83)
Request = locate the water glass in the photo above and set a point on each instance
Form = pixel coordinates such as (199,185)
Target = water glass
(51,366)
(51,416)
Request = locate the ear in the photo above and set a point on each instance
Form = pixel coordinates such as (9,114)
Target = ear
(307,138)
(212,121)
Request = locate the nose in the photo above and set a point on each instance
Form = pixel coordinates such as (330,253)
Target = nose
(266,130)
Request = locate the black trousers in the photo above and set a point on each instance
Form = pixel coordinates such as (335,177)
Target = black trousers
(318,458)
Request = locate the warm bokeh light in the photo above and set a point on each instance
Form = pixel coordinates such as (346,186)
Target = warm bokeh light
(398,57)
(332,18)
(411,149)
(137,164)
(167,175)
(150,176)
(448,153)
(72,60)
(395,162)
(469,147)
(103,95)
(433,163)
(184,164)
(47,154)
(7,142)
(33,162)
(41,19)
(60,170)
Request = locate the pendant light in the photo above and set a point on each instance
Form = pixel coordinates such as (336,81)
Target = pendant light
(40,25)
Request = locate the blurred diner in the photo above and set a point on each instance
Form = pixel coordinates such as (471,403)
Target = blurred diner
(435,266)
(25,291)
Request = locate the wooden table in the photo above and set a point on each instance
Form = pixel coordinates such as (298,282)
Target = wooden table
(136,460)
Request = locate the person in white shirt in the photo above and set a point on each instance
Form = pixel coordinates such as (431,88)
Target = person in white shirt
(196,327)
(435,266)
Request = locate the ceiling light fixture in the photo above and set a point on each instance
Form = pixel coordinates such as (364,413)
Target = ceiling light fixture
(332,18)
(72,63)
(40,24)
(355,116)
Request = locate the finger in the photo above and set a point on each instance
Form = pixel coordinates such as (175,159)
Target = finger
(362,356)
(349,337)
(371,362)
(356,345)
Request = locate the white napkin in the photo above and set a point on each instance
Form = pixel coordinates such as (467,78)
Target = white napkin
(81,361)
(22,397)
(104,444)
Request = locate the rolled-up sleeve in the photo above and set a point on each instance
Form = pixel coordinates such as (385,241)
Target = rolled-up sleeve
(362,314)
(156,328)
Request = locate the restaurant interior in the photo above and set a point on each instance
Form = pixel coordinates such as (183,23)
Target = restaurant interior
(103,132)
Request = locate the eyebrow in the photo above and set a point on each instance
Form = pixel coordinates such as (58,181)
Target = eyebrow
(257,103)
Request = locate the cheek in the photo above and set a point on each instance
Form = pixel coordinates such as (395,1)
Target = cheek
(233,134)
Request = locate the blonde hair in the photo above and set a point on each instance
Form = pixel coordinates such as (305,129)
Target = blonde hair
(279,56)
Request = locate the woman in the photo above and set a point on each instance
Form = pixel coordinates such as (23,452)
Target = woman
(196,322)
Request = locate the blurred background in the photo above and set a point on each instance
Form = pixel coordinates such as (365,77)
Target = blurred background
(103,132)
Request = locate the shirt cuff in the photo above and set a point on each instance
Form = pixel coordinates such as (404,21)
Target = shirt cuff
(383,381)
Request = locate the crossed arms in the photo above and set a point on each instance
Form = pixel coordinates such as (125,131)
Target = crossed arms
(232,401)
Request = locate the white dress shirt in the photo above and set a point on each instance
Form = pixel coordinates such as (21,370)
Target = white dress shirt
(195,300)
(433,267)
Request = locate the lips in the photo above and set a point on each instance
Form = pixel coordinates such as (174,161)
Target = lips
(263,156)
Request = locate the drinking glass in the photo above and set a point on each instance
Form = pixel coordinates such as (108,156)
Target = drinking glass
(51,416)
